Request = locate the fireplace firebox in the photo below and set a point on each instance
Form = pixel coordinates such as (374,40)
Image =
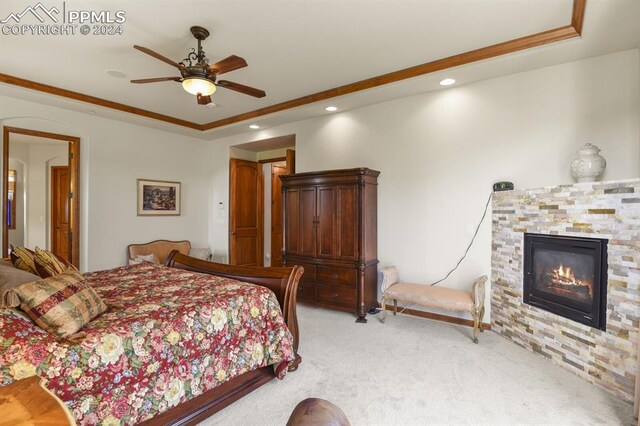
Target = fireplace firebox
(567,276)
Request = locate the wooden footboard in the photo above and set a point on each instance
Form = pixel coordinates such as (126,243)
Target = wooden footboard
(283,281)
(284,284)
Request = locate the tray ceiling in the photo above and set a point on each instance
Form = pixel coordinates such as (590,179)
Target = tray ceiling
(293,48)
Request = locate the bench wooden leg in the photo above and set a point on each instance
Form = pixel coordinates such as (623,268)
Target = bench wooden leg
(477,323)
(475,328)
(481,319)
(395,307)
(383,304)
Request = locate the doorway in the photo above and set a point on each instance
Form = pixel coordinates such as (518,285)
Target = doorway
(50,182)
(255,200)
(277,219)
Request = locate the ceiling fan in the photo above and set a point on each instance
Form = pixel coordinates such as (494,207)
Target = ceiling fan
(197,76)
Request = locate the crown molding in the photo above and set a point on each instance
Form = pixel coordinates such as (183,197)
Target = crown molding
(70,94)
(572,30)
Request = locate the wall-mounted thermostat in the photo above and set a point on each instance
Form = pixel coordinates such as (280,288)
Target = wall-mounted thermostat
(503,186)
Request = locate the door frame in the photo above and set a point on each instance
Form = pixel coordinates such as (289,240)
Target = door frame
(281,219)
(290,153)
(74,186)
(261,184)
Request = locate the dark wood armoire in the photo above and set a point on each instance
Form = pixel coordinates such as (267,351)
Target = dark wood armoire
(330,228)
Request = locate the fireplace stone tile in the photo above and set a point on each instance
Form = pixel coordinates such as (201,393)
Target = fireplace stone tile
(608,210)
(620,190)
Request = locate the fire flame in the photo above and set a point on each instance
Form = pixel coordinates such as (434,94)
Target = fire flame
(563,277)
(567,274)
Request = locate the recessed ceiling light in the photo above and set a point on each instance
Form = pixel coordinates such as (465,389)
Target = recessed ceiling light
(254,126)
(116,74)
(331,108)
(447,82)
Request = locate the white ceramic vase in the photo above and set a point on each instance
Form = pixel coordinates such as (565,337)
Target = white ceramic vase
(589,165)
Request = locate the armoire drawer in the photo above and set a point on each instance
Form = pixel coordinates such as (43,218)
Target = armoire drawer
(309,274)
(336,276)
(307,291)
(338,296)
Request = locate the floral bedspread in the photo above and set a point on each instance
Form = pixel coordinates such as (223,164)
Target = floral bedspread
(168,336)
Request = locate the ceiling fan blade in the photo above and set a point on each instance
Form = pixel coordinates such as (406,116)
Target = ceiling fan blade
(157,56)
(203,100)
(251,91)
(231,63)
(154,80)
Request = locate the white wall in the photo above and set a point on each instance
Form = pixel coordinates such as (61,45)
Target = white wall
(440,152)
(41,157)
(113,155)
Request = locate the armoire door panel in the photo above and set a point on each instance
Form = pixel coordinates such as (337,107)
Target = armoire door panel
(326,217)
(292,221)
(308,221)
(347,232)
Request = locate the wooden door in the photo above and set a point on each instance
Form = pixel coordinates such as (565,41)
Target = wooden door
(326,221)
(245,213)
(276,214)
(60,211)
(347,236)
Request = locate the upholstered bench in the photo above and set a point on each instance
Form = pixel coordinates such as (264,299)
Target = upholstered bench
(428,296)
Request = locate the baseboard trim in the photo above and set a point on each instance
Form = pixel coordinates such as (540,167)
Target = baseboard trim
(438,317)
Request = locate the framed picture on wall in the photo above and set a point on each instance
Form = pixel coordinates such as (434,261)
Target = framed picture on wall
(158,198)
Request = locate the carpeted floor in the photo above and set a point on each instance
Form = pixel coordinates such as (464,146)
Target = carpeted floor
(412,371)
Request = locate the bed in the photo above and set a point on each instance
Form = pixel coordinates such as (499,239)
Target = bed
(178,343)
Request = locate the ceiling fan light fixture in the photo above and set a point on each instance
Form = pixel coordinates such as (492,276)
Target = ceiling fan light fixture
(195,85)
(197,76)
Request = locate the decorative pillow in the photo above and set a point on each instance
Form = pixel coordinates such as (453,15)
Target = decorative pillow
(11,277)
(60,305)
(22,258)
(48,264)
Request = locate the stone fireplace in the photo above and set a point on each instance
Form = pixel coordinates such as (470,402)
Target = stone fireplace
(566,277)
